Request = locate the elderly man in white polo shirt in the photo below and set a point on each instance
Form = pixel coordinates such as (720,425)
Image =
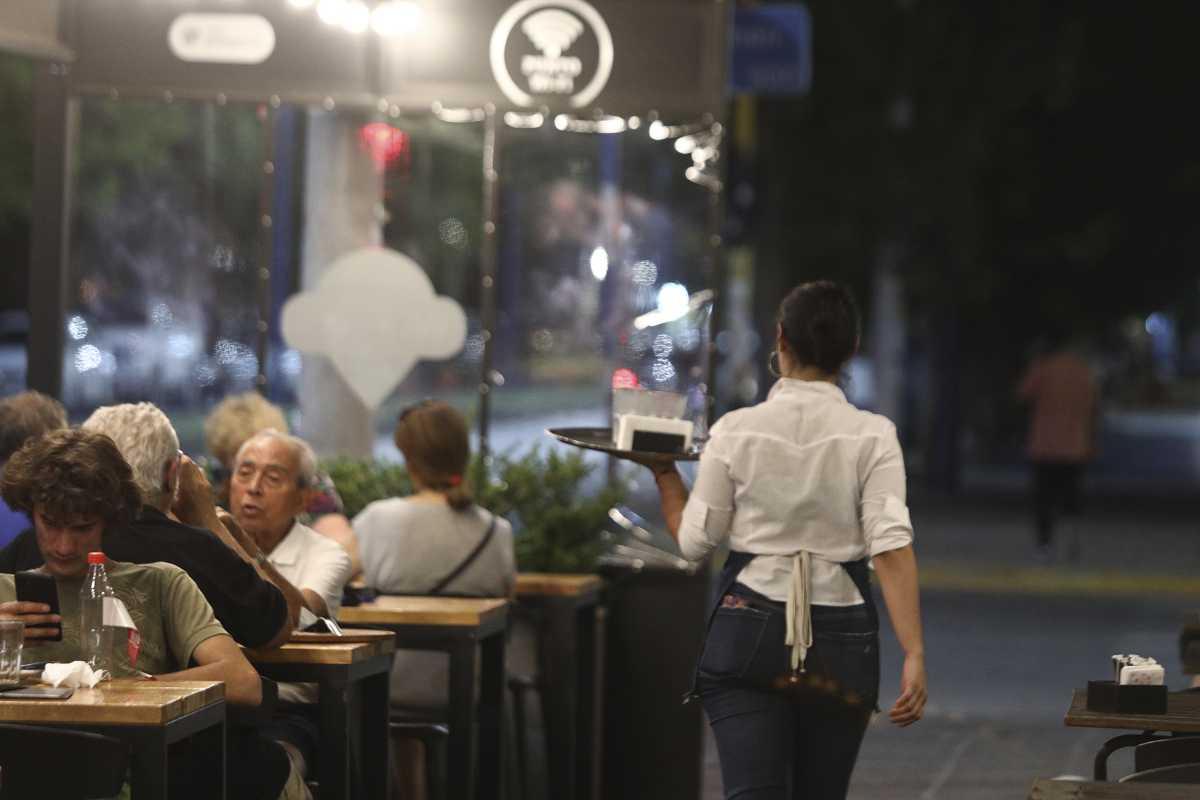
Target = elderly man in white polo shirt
(272,476)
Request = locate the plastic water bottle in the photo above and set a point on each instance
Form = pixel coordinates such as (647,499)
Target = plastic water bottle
(96,638)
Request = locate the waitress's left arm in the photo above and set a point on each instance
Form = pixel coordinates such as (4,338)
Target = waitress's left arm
(887,527)
(698,521)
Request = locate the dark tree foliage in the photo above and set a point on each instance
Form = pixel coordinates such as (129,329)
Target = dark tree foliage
(1035,164)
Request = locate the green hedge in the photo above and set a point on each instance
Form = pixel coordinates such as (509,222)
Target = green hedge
(556,520)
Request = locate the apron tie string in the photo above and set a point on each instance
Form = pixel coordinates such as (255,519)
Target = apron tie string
(799,610)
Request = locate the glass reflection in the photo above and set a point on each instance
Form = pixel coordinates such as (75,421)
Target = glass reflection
(602,236)
(165,242)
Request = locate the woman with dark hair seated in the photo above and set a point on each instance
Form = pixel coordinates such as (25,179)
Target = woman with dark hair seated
(436,541)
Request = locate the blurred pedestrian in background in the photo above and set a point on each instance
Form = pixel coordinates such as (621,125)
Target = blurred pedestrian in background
(1061,390)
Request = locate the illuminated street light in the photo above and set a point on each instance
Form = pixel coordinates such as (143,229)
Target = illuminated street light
(357,17)
(332,12)
(397,18)
(599,263)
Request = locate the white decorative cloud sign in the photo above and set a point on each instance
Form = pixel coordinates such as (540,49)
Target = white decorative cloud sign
(374,314)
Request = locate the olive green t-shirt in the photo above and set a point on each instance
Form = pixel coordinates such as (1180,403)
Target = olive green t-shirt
(170,612)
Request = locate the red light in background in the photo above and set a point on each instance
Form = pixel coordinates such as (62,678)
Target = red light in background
(385,144)
(624,379)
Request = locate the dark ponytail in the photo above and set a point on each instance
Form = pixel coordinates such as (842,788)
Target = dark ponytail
(459,497)
(820,325)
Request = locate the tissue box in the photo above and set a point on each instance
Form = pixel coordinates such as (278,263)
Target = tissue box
(653,434)
(1112,697)
(1142,675)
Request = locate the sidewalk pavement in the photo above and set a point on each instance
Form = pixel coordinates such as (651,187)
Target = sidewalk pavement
(953,758)
(1126,547)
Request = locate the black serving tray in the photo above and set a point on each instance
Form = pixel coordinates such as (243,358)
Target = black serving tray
(601,439)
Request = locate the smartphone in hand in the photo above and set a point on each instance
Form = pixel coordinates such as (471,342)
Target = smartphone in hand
(35,587)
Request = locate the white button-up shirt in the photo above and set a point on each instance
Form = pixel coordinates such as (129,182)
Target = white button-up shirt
(803,471)
(315,562)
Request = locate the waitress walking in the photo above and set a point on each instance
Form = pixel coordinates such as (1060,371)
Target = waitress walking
(807,489)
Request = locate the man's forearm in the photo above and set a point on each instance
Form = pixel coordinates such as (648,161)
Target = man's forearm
(242,687)
(295,600)
(213,524)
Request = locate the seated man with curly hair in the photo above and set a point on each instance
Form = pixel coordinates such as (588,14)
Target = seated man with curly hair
(74,484)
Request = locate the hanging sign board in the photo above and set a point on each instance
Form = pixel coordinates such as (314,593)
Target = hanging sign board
(572,56)
(243,49)
(772,49)
(30,28)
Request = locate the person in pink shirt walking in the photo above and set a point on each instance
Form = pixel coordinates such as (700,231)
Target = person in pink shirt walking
(1061,390)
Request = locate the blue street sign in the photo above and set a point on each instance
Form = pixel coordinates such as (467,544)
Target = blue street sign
(772,49)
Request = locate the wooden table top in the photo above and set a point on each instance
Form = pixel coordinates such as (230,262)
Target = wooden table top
(1046,789)
(327,652)
(1183,715)
(547,584)
(467,612)
(122,701)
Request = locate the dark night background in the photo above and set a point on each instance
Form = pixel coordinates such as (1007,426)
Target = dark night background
(1021,168)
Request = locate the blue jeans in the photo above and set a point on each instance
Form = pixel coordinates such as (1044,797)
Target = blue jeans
(779,738)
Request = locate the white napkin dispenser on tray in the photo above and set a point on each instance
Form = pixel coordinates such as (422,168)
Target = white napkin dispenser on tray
(653,434)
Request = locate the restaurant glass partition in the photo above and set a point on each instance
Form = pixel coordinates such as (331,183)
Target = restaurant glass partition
(190,232)
(603,245)
(16,189)
(432,211)
(163,279)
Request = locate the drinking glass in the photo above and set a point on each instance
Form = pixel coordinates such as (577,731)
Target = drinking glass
(12,639)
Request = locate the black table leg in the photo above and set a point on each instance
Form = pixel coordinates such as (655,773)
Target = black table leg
(586,755)
(461,747)
(491,717)
(374,739)
(210,749)
(1100,765)
(148,779)
(560,695)
(334,758)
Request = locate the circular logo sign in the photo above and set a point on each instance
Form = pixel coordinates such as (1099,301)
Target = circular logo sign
(550,51)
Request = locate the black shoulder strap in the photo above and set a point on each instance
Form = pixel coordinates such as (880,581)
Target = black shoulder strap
(468,561)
